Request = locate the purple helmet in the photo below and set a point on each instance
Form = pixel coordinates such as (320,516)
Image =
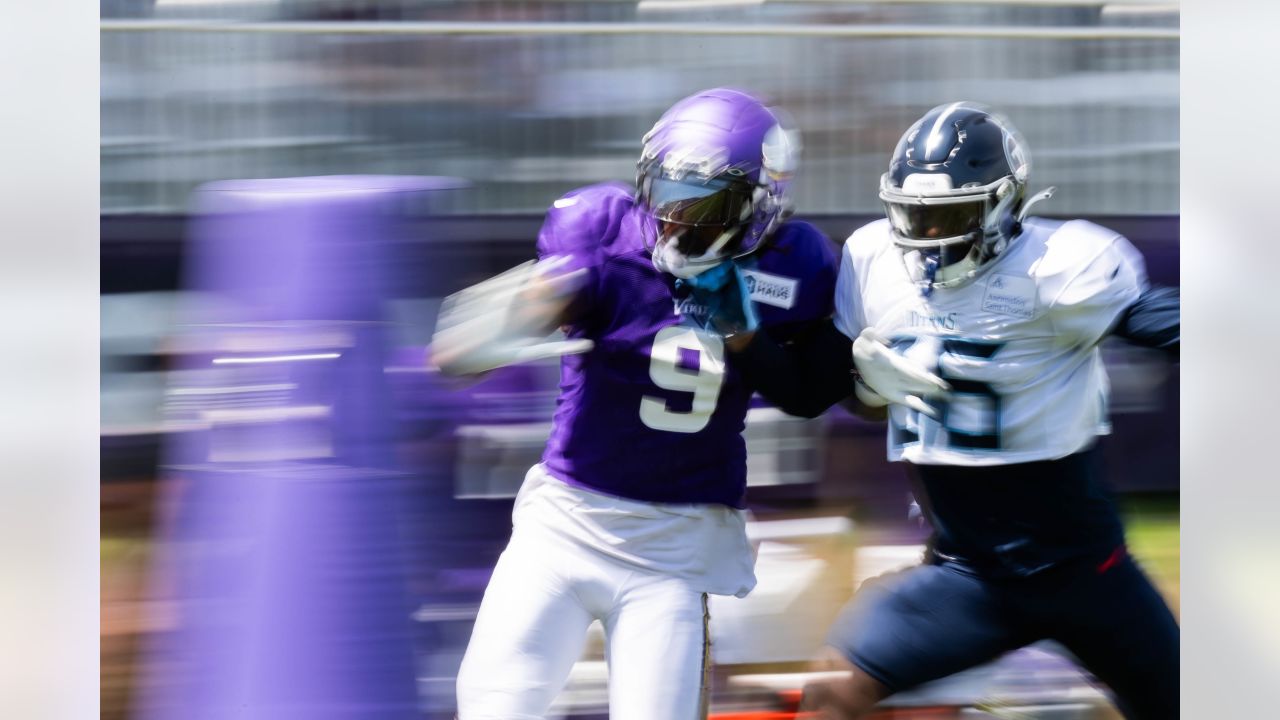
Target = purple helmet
(712,178)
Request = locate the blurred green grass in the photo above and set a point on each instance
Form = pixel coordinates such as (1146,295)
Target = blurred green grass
(1154,533)
(117,549)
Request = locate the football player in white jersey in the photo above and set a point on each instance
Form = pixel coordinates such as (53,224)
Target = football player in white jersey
(978,327)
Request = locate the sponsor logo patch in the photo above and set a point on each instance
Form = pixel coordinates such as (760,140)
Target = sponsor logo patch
(774,290)
(1010,295)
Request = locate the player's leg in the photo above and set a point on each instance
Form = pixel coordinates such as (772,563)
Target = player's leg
(528,633)
(908,628)
(1118,625)
(658,650)
(848,697)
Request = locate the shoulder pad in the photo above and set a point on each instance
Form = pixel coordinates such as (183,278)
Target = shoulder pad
(805,244)
(869,240)
(794,278)
(1077,250)
(1088,275)
(1069,245)
(585,219)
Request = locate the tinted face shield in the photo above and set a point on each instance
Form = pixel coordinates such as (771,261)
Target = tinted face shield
(944,223)
(702,218)
(930,224)
(941,236)
(943,232)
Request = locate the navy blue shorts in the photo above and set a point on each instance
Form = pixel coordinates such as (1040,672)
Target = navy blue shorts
(930,621)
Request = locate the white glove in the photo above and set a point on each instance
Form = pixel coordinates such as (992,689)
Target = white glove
(506,319)
(888,376)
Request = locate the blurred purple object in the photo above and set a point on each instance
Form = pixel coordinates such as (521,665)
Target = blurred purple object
(282,545)
(299,249)
(293,601)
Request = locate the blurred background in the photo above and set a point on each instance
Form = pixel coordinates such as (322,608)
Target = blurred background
(511,104)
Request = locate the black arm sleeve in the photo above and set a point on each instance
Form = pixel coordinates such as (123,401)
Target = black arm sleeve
(803,377)
(1154,320)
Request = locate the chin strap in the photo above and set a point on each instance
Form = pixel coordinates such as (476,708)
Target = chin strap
(930,273)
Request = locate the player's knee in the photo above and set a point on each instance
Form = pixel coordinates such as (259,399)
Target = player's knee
(847,698)
(830,659)
(483,692)
(847,693)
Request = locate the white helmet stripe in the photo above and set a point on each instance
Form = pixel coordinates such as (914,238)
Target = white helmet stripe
(935,136)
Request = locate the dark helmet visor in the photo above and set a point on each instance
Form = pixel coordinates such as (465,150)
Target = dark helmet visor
(689,202)
(935,222)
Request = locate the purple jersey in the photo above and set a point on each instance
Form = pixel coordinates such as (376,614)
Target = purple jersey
(653,412)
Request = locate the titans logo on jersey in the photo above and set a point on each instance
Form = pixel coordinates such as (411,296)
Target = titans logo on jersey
(1018,345)
(653,412)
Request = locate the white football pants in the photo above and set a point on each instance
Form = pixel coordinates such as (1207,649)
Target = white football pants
(532,625)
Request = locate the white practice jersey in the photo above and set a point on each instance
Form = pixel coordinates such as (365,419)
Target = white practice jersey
(1018,344)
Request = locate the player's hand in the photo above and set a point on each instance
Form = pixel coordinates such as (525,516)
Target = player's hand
(506,319)
(888,376)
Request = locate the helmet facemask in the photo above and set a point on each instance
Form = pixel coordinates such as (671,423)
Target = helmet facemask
(694,223)
(948,235)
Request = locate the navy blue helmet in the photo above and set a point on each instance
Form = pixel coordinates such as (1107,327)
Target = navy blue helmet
(956,192)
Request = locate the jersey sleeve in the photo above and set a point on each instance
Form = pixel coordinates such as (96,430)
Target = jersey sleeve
(575,227)
(802,377)
(1102,289)
(1154,320)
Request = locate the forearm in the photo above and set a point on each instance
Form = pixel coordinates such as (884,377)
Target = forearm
(804,377)
(506,320)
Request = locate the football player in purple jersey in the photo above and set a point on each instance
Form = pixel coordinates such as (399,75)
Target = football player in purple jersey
(636,511)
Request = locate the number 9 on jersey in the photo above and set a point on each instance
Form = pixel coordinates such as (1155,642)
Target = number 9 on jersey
(685,360)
